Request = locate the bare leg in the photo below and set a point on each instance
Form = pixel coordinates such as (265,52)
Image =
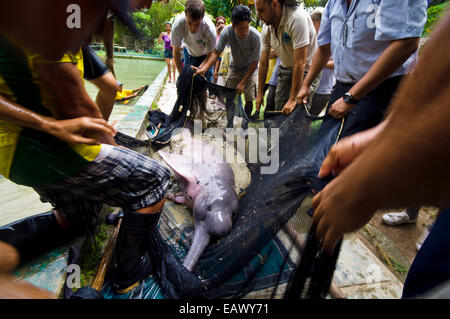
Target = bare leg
(168,69)
(173,70)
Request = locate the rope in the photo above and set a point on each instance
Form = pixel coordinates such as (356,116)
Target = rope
(379,247)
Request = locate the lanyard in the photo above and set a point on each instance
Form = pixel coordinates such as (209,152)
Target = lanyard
(344,30)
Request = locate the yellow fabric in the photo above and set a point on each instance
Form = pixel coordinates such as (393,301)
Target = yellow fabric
(10,133)
(225,62)
(272,63)
(47,97)
(88,152)
(124,93)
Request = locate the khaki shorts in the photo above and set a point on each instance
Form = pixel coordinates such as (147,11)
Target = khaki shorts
(233,79)
(284,83)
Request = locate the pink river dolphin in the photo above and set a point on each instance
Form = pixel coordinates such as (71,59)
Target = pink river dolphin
(207,189)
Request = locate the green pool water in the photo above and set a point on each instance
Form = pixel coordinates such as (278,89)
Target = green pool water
(133,73)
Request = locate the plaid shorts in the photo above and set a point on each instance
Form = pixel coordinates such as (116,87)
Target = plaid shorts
(123,178)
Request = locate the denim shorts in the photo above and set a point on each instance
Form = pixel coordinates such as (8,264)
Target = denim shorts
(168,53)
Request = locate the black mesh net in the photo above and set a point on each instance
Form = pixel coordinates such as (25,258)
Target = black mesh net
(259,256)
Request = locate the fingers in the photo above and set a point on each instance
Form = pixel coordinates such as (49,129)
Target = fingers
(326,233)
(258,102)
(303,95)
(315,202)
(197,70)
(84,140)
(330,241)
(340,156)
(301,99)
(286,110)
(330,163)
(335,114)
(98,125)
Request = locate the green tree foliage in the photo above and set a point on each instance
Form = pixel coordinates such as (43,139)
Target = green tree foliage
(223,8)
(151,22)
(433,15)
(315,3)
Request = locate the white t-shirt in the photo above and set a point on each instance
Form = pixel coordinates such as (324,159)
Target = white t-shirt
(200,43)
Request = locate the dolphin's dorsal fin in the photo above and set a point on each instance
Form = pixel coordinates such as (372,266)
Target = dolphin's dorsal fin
(182,165)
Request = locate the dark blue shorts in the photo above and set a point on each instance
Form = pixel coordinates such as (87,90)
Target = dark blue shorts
(168,53)
(93,65)
(196,61)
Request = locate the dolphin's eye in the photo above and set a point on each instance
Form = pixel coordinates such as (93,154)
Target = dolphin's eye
(209,208)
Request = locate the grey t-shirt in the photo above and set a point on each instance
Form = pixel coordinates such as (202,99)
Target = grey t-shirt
(243,51)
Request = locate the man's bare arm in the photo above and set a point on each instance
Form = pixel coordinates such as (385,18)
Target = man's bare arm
(297,79)
(263,69)
(70,131)
(108,41)
(209,61)
(299,70)
(177,59)
(72,99)
(252,68)
(207,58)
(390,60)
(319,61)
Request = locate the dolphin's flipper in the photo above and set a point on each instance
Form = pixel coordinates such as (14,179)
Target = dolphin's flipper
(180,164)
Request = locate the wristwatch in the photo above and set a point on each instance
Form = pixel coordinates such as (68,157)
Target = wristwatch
(348,98)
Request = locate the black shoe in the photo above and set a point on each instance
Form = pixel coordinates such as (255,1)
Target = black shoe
(131,261)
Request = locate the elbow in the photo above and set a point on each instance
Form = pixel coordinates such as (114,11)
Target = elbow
(300,64)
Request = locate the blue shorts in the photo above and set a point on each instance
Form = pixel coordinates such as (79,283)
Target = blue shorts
(168,53)
(93,65)
(196,61)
